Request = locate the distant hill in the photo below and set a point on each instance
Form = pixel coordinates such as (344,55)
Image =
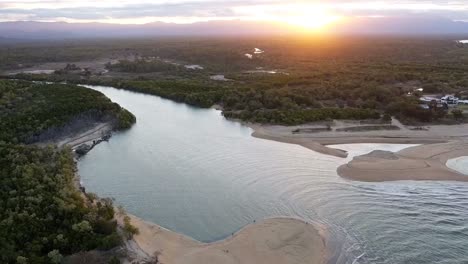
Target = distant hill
(46,30)
(389,25)
(404,25)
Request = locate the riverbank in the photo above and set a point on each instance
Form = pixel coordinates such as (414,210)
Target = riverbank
(425,162)
(317,136)
(271,241)
(191,167)
(94,133)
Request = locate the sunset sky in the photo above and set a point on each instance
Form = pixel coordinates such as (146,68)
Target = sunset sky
(304,13)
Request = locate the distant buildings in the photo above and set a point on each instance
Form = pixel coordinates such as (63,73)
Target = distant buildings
(447,101)
(450,100)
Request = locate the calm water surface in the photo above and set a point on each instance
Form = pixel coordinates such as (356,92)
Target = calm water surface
(194,172)
(459,164)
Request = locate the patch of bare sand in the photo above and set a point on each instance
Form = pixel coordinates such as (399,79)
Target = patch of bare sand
(425,162)
(272,241)
(317,141)
(96,132)
(261,132)
(81,136)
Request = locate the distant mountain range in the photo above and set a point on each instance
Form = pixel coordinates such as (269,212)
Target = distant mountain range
(387,25)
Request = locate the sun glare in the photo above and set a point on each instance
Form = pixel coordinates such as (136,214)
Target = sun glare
(315,22)
(308,17)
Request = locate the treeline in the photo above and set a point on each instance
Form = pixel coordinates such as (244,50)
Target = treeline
(293,103)
(297,117)
(263,106)
(43,215)
(258,98)
(194,93)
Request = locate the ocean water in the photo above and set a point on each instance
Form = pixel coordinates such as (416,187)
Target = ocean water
(194,172)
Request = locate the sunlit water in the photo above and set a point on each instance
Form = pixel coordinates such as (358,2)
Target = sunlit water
(194,172)
(459,164)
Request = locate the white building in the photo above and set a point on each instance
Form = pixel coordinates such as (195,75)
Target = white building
(450,100)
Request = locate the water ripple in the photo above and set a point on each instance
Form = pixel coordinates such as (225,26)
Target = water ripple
(194,172)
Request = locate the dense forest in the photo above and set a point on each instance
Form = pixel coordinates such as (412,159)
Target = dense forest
(43,215)
(28,110)
(284,80)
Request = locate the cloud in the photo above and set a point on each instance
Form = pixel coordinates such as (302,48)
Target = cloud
(128,10)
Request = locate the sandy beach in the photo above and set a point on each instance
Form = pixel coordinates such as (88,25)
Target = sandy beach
(318,141)
(270,133)
(82,136)
(271,241)
(94,133)
(425,162)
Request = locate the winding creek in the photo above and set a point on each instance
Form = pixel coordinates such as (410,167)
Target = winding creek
(194,172)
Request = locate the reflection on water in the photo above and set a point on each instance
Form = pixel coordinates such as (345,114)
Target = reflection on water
(194,172)
(459,164)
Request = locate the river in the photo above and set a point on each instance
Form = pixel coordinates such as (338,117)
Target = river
(194,172)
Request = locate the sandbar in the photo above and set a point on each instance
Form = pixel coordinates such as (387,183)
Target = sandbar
(423,163)
(271,241)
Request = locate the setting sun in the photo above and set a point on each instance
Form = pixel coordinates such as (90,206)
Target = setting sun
(310,17)
(305,17)
(313,22)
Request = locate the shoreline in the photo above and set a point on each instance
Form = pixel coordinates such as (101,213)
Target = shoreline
(304,142)
(96,132)
(420,163)
(253,243)
(320,141)
(272,241)
(426,162)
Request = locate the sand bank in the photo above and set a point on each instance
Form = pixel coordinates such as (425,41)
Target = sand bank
(86,136)
(317,141)
(272,241)
(425,162)
(263,133)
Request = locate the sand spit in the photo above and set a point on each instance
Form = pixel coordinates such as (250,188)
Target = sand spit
(94,133)
(272,241)
(425,162)
(260,132)
(318,139)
